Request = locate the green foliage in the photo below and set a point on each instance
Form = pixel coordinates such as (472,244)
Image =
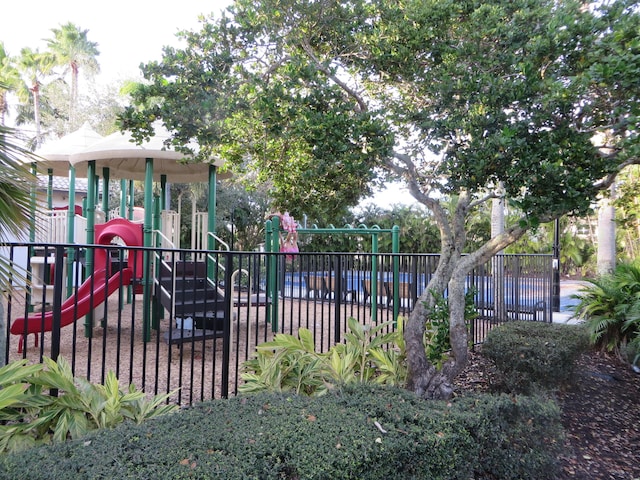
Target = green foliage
(516,82)
(15,184)
(627,206)
(532,355)
(360,431)
(610,306)
(418,230)
(369,354)
(31,414)
(437,337)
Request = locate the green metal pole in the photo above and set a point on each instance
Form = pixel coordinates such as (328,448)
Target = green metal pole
(71,226)
(211,221)
(268,229)
(374,278)
(157,310)
(91,221)
(273,272)
(96,188)
(395,249)
(148,240)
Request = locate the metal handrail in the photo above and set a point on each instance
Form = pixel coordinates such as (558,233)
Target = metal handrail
(158,258)
(233,283)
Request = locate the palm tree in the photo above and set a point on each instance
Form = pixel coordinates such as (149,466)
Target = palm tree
(15,185)
(73,50)
(9,80)
(34,67)
(15,205)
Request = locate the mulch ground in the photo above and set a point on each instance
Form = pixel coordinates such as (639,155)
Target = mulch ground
(600,415)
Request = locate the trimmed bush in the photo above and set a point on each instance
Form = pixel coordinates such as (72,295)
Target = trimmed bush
(533,355)
(358,432)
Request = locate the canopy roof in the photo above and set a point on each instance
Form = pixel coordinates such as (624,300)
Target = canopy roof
(55,154)
(127,160)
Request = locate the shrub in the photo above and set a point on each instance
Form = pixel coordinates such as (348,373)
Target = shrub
(30,414)
(361,431)
(530,355)
(369,354)
(610,307)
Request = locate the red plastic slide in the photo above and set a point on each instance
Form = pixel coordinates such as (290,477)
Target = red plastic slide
(74,307)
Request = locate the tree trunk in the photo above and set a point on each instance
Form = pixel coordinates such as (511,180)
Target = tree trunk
(497,263)
(36,113)
(424,378)
(607,234)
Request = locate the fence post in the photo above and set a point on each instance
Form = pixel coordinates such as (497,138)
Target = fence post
(57,302)
(395,249)
(226,329)
(337,296)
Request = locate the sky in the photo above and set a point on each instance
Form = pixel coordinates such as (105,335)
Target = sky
(127,32)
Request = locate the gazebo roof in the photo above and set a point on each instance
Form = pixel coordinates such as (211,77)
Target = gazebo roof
(125,159)
(55,154)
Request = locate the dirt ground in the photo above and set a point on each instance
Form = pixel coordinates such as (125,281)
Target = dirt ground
(600,415)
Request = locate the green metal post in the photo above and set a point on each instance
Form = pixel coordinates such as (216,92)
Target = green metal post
(91,221)
(395,249)
(268,228)
(71,226)
(273,272)
(96,187)
(157,311)
(148,240)
(211,207)
(374,278)
(211,221)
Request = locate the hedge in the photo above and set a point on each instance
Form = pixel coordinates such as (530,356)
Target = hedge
(363,432)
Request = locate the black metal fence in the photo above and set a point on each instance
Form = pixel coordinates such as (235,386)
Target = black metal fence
(170,323)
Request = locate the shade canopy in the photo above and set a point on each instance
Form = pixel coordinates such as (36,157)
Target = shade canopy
(55,155)
(127,160)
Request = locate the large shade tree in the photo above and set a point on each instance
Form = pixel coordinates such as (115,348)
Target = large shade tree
(453,97)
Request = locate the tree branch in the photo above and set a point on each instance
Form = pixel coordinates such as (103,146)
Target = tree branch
(609,179)
(309,51)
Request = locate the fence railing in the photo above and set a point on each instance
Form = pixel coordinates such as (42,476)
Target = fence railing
(170,328)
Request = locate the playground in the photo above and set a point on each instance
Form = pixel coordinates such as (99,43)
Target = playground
(112,289)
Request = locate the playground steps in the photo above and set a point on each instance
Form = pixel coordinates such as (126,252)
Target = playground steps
(198,309)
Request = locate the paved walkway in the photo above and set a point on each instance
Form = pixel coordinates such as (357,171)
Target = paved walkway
(567,288)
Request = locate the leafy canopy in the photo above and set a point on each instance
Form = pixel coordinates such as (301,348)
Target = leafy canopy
(322,97)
